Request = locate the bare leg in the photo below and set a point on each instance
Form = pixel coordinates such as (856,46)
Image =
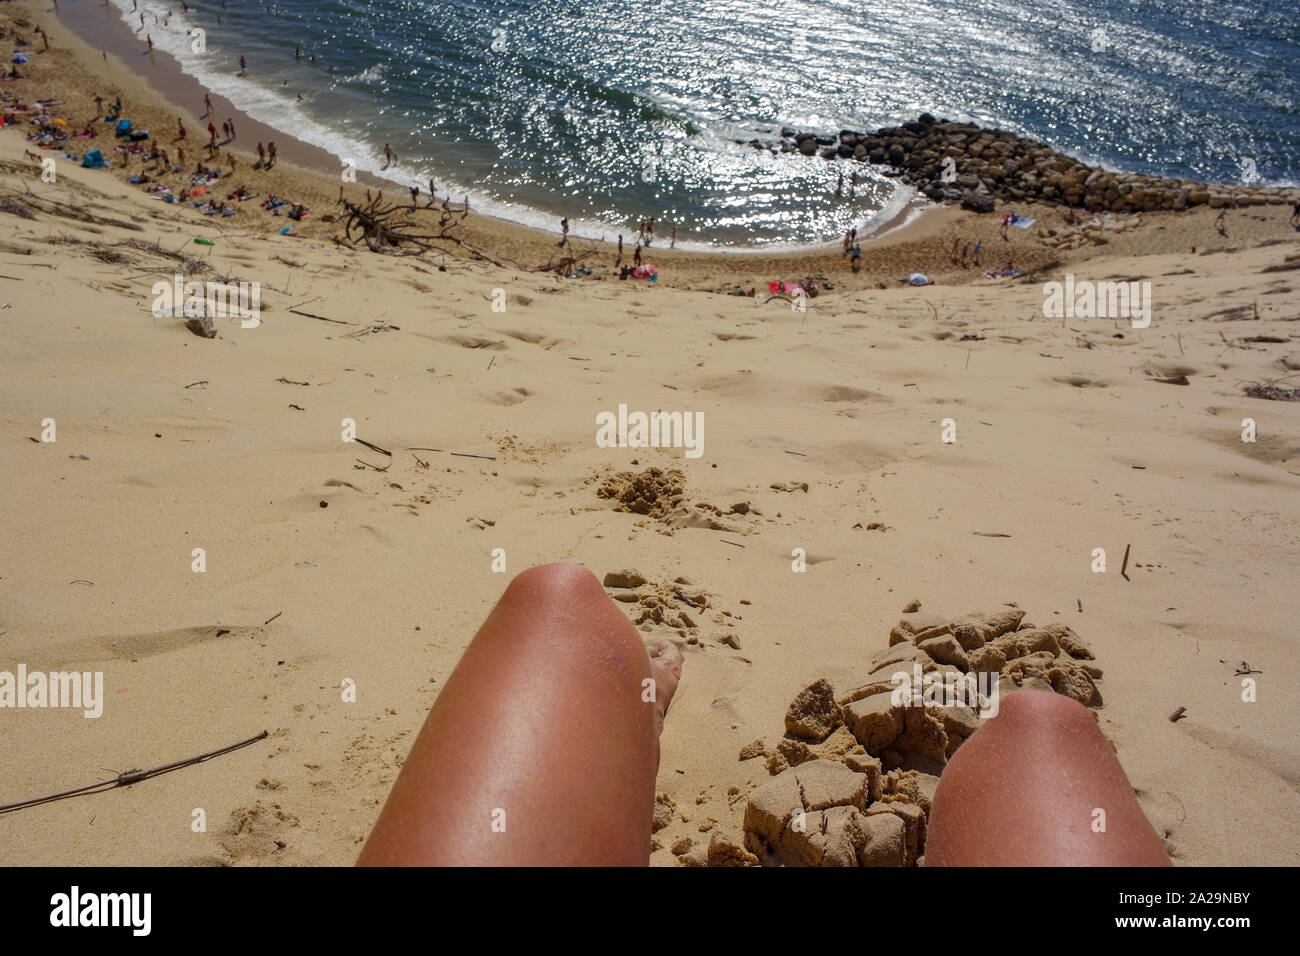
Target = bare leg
(1024,789)
(544,719)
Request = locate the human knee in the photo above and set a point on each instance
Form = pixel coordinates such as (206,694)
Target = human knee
(1039,708)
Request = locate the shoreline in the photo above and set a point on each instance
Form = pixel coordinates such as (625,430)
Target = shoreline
(920,237)
(103,27)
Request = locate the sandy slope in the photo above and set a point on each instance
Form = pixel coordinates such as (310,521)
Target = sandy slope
(387,584)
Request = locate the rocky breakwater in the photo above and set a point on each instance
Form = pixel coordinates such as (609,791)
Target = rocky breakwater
(964,163)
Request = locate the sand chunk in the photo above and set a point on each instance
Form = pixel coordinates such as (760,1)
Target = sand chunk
(980,627)
(923,733)
(875,721)
(795,752)
(918,626)
(653,492)
(1032,641)
(886,840)
(1069,642)
(825,783)
(911,786)
(880,686)
(726,850)
(813,713)
(837,744)
(914,820)
(1074,682)
(870,767)
(988,659)
(756,749)
(626,578)
(945,650)
(663,813)
(912,606)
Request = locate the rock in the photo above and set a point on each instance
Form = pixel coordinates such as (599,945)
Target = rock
(808,146)
(1074,682)
(945,650)
(663,812)
(837,744)
(912,607)
(624,579)
(977,629)
(912,787)
(682,845)
(874,721)
(731,640)
(1069,642)
(776,764)
(813,713)
(886,840)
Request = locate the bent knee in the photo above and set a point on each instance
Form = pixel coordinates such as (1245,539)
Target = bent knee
(1043,708)
(572,581)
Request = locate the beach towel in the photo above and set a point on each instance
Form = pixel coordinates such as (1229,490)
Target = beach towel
(94,160)
(1021,222)
(645,271)
(136,135)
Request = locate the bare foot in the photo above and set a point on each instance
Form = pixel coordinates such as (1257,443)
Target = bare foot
(666,669)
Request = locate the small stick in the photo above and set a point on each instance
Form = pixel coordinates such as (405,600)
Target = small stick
(489,368)
(1124,566)
(462,454)
(362,441)
(725,541)
(1176,715)
(202,381)
(968,351)
(1080,603)
(130,776)
(272,618)
(799,453)
(313,315)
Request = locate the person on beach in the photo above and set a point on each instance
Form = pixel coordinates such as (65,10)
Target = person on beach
(618,260)
(577,690)
(207,106)
(297,53)
(844,246)
(415,197)
(1221,223)
(965,252)
(433,193)
(243,64)
(673,242)
(271,155)
(853,184)
(978,246)
(855,260)
(1295,216)
(389,155)
(839,186)
(230,125)
(564,225)
(1002,230)
(99,106)
(952,256)
(636,255)
(180,128)
(180,156)
(261,155)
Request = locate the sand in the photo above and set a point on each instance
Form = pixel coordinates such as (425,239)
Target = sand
(825,425)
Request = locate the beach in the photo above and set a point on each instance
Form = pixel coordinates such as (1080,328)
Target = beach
(328,564)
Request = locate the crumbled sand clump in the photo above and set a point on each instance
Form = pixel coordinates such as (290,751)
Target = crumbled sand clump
(855,776)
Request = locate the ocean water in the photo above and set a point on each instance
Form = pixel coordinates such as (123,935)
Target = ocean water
(613,111)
